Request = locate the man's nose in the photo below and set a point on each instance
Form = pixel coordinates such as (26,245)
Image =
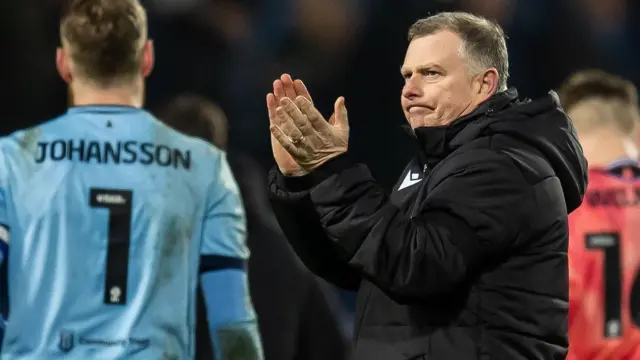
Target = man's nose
(412,88)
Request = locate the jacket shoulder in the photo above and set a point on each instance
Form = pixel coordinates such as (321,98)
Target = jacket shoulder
(531,162)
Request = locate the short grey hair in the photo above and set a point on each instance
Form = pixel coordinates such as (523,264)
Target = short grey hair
(483,41)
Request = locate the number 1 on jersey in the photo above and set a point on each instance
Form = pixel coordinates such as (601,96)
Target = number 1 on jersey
(118,203)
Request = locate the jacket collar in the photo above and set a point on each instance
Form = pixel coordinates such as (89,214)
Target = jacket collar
(436,142)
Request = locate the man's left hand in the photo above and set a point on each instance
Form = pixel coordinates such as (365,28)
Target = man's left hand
(306,135)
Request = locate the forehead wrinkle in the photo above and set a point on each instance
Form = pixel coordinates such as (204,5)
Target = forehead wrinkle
(439,52)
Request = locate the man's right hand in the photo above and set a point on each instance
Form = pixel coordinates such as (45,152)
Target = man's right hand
(285,87)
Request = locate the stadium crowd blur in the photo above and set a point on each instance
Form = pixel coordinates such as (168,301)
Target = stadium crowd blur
(230,51)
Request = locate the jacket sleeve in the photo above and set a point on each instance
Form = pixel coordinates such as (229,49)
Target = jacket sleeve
(302,228)
(469,216)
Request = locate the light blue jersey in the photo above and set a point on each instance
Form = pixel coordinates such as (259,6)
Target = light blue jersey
(108,213)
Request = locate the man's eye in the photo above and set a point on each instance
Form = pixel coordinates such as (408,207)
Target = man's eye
(430,73)
(406,76)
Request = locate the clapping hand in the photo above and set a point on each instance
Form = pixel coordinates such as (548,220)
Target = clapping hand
(300,129)
(284,87)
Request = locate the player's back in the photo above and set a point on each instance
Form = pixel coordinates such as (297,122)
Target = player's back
(105,206)
(604,259)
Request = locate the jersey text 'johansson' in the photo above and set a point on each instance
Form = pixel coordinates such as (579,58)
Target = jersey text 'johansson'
(117,152)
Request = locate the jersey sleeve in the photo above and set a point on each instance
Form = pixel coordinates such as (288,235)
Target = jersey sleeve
(231,318)
(224,228)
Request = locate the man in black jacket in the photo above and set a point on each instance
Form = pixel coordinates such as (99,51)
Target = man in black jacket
(467,257)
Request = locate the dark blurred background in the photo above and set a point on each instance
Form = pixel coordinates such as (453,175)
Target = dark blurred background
(231,51)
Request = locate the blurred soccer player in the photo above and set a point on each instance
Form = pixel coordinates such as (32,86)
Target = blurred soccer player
(295,325)
(114,217)
(604,251)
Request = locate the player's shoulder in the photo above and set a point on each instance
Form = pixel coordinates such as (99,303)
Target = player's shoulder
(601,178)
(26,140)
(619,172)
(608,186)
(599,183)
(607,198)
(202,149)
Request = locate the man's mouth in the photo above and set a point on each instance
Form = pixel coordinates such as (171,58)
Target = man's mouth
(417,109)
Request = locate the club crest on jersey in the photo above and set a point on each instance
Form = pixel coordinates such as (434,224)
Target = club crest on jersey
(65,343)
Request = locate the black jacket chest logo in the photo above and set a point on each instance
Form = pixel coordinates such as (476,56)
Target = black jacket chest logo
(411,178)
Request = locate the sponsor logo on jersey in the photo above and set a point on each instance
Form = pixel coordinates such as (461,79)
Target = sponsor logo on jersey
(66,341)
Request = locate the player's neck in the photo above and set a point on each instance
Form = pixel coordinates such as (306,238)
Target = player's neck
(85,94)
(605,146)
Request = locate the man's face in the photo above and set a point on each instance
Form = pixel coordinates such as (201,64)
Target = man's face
(438,88)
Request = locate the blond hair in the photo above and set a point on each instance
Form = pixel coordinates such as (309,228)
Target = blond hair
(105,39)
(595,98)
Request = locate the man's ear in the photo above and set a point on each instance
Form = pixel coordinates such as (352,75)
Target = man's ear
(63,64)
(148,59)
(487,83)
